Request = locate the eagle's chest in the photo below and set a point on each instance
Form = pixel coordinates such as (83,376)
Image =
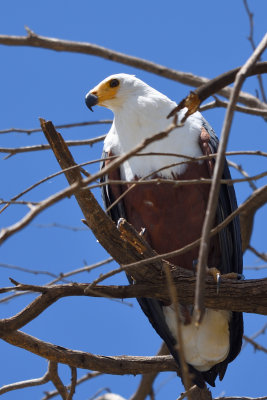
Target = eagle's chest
(172,214)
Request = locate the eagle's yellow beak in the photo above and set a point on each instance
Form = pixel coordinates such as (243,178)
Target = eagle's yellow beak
(103,92)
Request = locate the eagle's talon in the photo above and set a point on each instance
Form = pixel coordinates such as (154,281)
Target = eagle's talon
(216,275)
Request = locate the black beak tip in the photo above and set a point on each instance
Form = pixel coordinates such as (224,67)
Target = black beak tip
(91,100)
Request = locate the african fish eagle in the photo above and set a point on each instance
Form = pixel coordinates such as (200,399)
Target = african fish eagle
(172,216)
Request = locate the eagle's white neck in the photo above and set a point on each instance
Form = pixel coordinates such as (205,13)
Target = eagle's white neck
(142,117)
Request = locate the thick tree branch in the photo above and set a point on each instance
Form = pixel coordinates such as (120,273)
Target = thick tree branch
(34,40)
(194,99)
(220,103)
(247,296)
(116,365)
(54,377)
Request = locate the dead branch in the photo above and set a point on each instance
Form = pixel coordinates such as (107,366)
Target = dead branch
(24,384)
(34,40)
(239,168)
(63,126)
(54,377)
(73,383)
(17,150)
(240,75)
(256,345)
(220,103)
(27,270)
(62,277)
(263,256)
(86,377)
(246,296)
(116,365)
(194,99)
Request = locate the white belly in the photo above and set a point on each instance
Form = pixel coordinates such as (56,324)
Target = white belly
(205,345)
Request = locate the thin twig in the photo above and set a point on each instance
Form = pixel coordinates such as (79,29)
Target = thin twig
(220,103)
(256,345)
(61,277)
(239,168)
(73,125)
(84,378)
(54,377)
(17,150)
(263,256)
(28,270)
(73,383)
(185,394)
(24,384)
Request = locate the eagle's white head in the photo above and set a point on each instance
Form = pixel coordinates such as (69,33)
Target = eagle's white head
(140,112)
(121,91)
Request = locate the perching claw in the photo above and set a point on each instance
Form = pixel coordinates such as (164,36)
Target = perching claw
(215,273)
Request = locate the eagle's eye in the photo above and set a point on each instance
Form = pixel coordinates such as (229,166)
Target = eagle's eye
(114,83)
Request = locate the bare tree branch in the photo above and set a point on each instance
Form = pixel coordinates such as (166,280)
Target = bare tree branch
(256,345)
(63,126)
(34,40)
(220,103)
(117,365)
(17,150)
(84,378)
(239,168)
(73,383)
(215,186)
(24,384)
(263,256)
(247,296)
(54,377)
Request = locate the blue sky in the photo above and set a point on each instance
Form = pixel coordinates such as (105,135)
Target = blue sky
(205,38)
